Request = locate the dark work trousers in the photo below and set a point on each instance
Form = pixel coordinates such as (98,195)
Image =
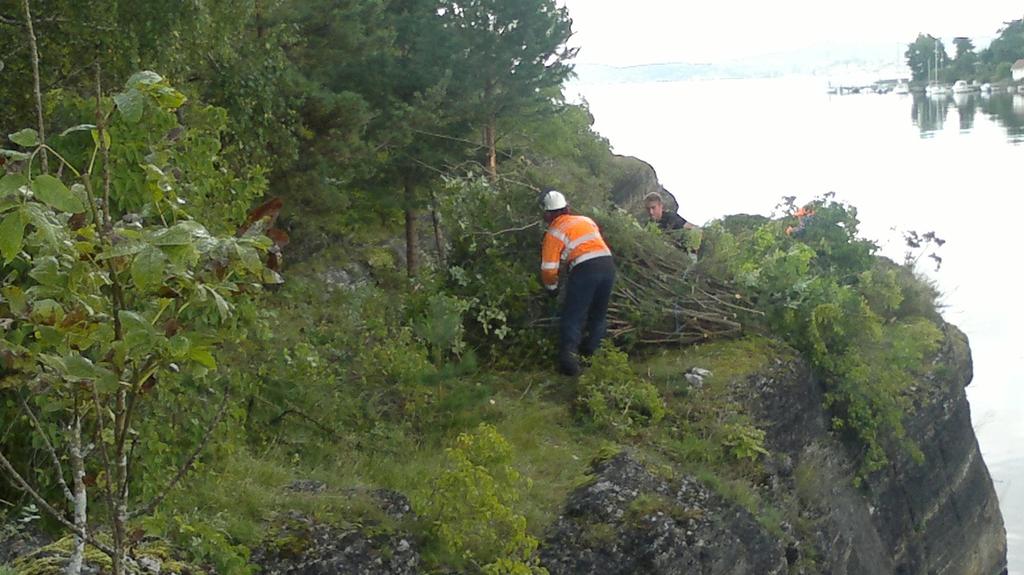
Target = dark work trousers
(587,292)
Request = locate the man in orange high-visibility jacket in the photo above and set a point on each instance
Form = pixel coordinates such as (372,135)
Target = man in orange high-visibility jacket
(576,240)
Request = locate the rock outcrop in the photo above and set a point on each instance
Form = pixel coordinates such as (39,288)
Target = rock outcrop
(637,179)
(630,521)
(304,546)
(937,516)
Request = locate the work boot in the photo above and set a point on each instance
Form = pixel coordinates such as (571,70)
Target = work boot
(568,364)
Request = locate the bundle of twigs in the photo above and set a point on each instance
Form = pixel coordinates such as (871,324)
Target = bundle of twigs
(661,294)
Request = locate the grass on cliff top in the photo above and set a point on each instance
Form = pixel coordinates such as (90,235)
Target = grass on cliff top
(242,493)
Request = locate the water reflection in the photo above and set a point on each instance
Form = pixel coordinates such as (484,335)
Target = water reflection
(965,107)
(929,113)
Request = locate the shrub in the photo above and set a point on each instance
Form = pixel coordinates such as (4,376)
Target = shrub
(493,265)
(866,324)
(614,396)
(744,441)
(440,326)
(471,506)
(107,314)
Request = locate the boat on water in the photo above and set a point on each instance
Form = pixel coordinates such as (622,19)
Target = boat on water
(962,87)
(934,88)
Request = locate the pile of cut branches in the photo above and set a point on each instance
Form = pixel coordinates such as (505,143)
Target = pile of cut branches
(661,295)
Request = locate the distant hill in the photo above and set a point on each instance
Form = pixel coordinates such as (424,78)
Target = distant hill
(832,60)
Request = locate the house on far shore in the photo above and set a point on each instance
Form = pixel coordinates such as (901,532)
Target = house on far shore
(1017,70)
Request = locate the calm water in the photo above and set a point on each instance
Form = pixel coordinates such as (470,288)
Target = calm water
(952,166)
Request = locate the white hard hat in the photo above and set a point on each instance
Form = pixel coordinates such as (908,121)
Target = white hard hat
(552,200)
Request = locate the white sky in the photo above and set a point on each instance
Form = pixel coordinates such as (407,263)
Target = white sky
(619,32)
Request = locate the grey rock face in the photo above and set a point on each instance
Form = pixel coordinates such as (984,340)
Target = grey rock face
(939,516)
(942,516)
(16,542)
(630,521)
(637,180)
(303,546)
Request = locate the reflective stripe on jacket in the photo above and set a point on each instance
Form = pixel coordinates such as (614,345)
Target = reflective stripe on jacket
(572,238)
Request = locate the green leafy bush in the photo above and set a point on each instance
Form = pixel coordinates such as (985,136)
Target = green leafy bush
(440,326)
(105,315)
(471,506)
(494,261)
(614,396)
(744,441)
(204,542)
(866,325)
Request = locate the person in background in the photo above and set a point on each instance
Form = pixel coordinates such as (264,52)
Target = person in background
(576,240)
(803,216)
(665,220)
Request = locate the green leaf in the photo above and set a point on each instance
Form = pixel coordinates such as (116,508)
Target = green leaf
(137,331)
(169,98)
(54,193)
(181,255)
(78,190)
(11,183)
(178,235)
(12,233)
(15,155)
(15,299)
(47,311)
(180,346)
(27,138)
(53,362)
(270,277)
(124,247)
(250,258)
(148,268)
(143,79)
(130,104)
(78,128)
(47,272)
(49,336)
(80,367)
(223,307)
(47,228)
(203,356)
(106,382)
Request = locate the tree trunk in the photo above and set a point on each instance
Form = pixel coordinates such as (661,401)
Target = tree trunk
(438,239)
(410,227)
(120,519)
(80,500)
(490,137)
(492,152)
(34,52)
